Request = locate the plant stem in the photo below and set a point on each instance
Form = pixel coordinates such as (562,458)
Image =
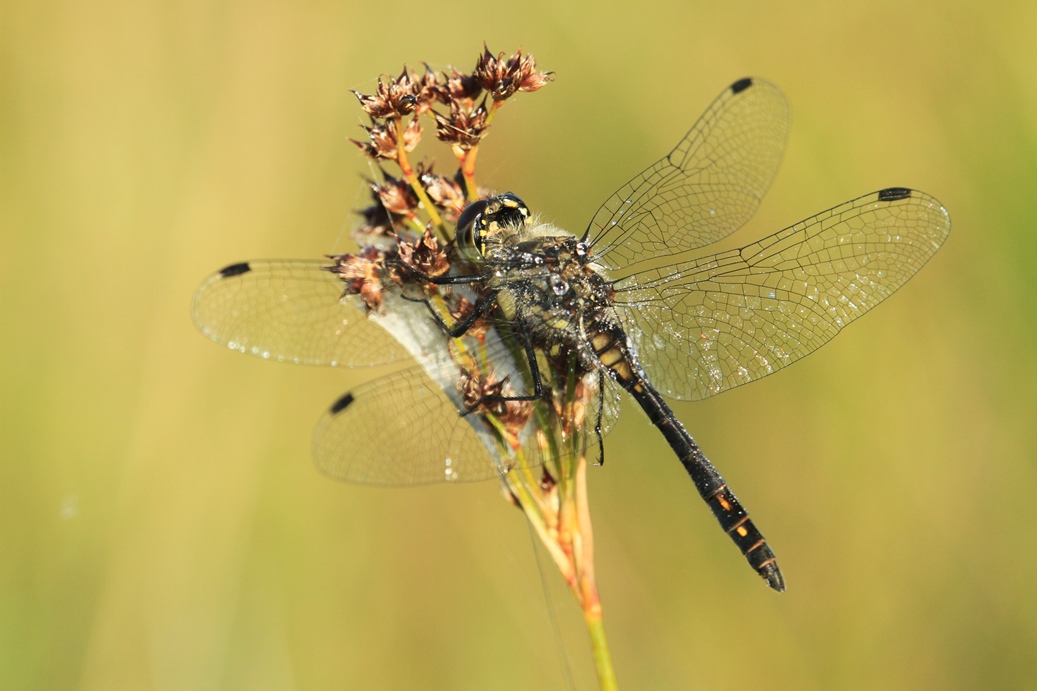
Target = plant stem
(467,158)
(419,189)
(600,648)
(589,600)
(468,171)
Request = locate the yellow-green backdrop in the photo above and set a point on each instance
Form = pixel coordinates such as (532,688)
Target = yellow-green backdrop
(162,526)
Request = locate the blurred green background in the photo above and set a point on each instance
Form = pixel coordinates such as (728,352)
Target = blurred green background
(162,526)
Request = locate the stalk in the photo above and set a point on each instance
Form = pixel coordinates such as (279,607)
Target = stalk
(551,488)
(412,178)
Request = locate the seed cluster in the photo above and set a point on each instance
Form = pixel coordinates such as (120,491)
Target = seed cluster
(407,234)
(411,216)
(461,107)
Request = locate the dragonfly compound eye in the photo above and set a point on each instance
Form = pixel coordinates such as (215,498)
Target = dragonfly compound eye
(468,234)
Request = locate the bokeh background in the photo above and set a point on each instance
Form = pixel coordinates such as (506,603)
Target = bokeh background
(162,526)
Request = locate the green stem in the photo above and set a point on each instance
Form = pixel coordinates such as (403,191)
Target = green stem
(600,648)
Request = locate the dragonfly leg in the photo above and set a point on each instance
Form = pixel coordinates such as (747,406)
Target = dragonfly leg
(534,373)
(436,280)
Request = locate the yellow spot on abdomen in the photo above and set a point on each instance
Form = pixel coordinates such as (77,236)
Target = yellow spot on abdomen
(611,356)
(622,370)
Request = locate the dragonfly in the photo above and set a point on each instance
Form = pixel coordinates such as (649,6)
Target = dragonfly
(632,301)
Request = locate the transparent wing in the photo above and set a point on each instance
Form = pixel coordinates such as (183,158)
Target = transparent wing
(404,429)
(602,415)
(608,401)
(400,429)
(291,311)
(705,189)
(706,325)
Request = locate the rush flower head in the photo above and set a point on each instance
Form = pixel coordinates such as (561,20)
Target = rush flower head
(426,89)
(396,195)
(462,127)
(502,78)
(446,193)
(424,255)
(461,105)
(485,393)
(393,97)
(457,87)
(362,275)
(383,142)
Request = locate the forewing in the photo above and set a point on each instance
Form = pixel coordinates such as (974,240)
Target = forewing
(705,189)
(707,325)
(291,311)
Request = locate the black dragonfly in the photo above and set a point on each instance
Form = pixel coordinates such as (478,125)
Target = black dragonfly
(628,299)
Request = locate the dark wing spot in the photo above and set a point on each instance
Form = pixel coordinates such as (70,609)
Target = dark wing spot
(235,270)
(741,85)
(891,194)
(341,404)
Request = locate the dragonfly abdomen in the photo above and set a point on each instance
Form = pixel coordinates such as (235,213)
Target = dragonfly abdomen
(614,353)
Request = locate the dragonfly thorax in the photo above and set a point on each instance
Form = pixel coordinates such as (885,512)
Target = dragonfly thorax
(548,287)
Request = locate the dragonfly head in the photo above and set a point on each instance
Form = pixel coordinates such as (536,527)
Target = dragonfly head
(488,217)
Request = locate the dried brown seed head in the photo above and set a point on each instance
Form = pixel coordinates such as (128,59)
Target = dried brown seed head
(381,142)
(502,78)
(463,127)
(458,88)
(425,255)
(393,97)
(482,393)
(397,196)
(446,193)
(378,224)
(426,89)
(362,273)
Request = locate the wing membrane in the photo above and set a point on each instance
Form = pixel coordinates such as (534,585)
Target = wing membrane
(405,429)
(291,311)
(705,189)
(704,326)
(400,429)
